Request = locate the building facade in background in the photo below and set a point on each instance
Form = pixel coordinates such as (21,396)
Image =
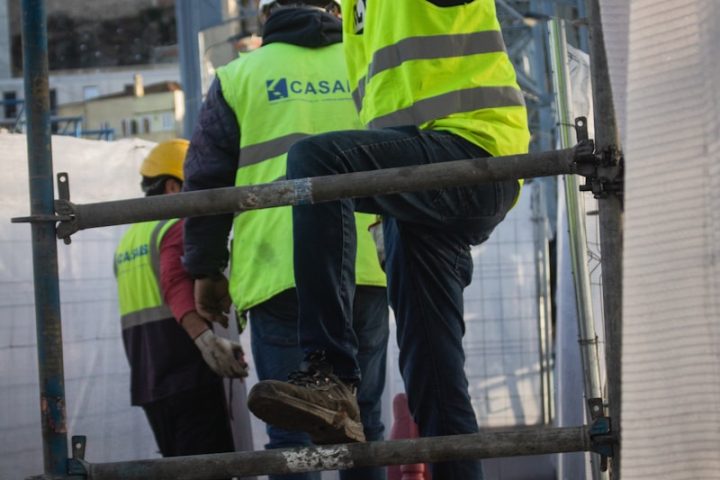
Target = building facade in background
(95,48)
(86,34)
(153,112)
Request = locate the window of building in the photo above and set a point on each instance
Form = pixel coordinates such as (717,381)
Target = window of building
(133,127)
(168,121)
(90,91)
(53,101)
(9,104)
(146,125)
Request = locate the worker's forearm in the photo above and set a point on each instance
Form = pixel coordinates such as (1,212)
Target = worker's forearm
(194,324)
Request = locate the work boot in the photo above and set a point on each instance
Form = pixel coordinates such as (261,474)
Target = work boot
(313,400)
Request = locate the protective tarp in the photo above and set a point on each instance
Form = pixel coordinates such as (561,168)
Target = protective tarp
(671,338)
(502,338)
(96,369)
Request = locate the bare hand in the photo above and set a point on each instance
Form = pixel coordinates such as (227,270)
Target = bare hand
(212,299)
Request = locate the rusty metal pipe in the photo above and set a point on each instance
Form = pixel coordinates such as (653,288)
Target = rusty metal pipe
(315,190)
(490,444)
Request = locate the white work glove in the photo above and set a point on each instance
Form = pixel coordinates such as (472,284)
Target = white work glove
(223,356)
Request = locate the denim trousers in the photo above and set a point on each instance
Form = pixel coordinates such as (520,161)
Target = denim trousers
(428,236)
(274,339)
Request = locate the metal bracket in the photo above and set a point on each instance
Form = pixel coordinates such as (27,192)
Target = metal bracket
(77,465)
(64,211)
(603,170)
(602,438)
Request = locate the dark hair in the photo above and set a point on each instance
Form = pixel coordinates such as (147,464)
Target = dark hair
(156,185)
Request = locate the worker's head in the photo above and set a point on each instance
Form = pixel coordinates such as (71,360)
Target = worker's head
(162,169)
(266,7)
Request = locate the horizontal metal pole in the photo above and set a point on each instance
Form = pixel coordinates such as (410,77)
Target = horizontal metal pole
(492,444)
(315,190)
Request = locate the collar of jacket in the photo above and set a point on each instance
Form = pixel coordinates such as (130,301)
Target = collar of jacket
(304,27)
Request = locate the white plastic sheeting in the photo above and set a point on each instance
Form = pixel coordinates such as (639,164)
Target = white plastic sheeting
(671,342)
(96,370)
(501,311)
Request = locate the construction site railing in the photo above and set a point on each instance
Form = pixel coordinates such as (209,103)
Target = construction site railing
(74,217)
(603,169)
(488,444)
(44,245)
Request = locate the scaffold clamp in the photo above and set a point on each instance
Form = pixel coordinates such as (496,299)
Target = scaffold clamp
(77,465)
(603,439)
(64,211)
(603,169)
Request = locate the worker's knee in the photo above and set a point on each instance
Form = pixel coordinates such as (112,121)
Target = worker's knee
(311,157)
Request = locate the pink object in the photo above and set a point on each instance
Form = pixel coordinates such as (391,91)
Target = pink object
(404,427)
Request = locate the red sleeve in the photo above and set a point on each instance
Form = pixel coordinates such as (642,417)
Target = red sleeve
(175,283)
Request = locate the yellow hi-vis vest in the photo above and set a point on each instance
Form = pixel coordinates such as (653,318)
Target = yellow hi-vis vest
(280,94)
(411,62)
(137,270)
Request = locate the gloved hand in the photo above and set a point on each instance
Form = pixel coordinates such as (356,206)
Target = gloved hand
(212,299)
(223,356)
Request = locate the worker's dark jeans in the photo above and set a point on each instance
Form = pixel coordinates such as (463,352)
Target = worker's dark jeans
(427,240)
(274,327)
(193,422)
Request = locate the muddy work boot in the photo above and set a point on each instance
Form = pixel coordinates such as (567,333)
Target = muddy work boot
(313,400)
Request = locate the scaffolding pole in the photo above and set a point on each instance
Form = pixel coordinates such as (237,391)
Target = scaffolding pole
(74,217)
(588,340)
(489,444)
(607,142)
(44,244)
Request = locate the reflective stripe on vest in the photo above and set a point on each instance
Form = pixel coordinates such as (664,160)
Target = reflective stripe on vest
(137,268)
(259,152)
(147,315)
(280,94)
(429,109)
(426,48)
(442,68)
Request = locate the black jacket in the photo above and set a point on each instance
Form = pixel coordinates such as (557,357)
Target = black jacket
(215,144)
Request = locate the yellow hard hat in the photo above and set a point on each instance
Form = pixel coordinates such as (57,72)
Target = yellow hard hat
(166,158)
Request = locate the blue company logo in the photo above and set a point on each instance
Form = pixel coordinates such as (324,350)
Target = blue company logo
(284,88)
(130,255)
(276,89)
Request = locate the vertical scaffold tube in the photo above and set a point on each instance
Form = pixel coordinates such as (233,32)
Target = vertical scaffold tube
(588,341)
(611,223)
(44,244)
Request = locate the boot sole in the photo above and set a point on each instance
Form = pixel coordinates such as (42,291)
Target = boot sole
(324,426)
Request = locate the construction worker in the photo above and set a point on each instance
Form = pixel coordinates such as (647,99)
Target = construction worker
(176,361)
(294,86)
(433,81)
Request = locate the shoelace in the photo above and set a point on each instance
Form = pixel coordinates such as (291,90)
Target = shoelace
(314,378)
